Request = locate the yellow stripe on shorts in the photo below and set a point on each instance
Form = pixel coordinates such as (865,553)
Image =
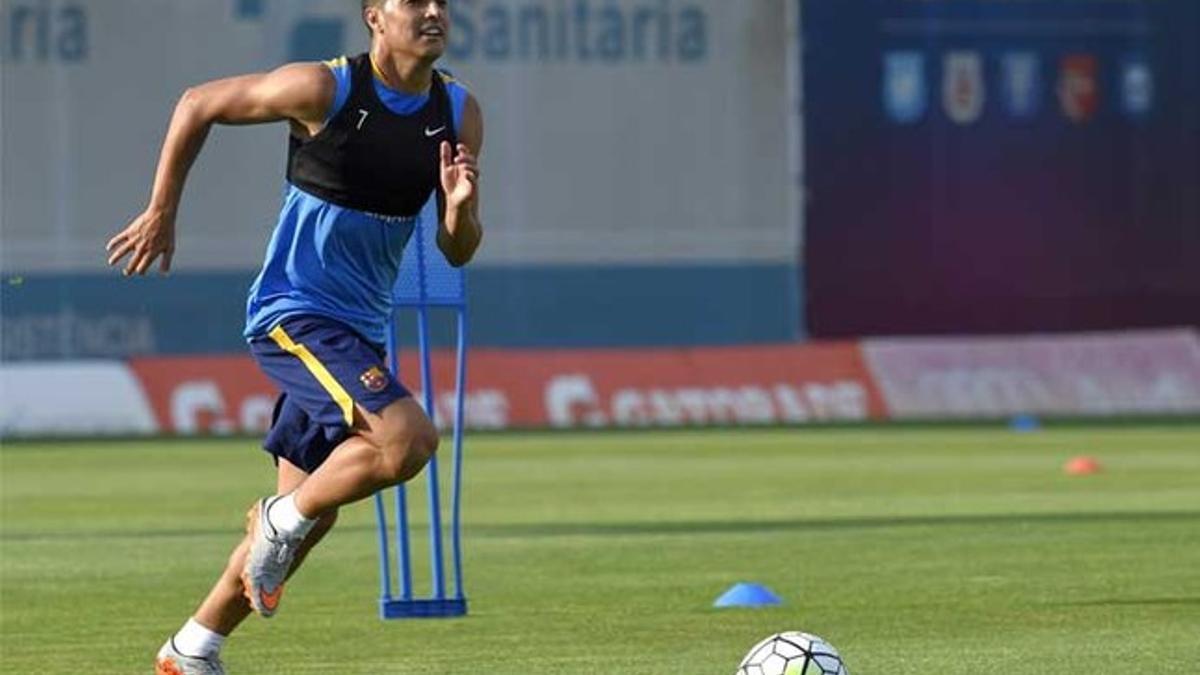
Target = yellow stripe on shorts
(318,370)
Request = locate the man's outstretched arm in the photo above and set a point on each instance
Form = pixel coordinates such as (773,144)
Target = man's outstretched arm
(301,93)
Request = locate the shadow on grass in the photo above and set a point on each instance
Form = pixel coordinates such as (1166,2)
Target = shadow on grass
(1131,602)
(686,527)
(702,527)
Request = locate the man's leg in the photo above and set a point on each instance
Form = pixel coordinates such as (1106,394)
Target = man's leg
(225,606)
(390,447)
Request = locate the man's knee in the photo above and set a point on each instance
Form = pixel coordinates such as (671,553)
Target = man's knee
(409,448)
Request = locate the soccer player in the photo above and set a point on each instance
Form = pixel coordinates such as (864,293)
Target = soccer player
(372,138)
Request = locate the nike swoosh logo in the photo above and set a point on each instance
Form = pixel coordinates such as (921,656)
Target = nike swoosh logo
(270,601)
(430,133)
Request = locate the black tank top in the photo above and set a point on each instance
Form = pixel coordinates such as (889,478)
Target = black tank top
(367,157)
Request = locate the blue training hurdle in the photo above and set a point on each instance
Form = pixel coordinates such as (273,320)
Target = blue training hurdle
(427,282)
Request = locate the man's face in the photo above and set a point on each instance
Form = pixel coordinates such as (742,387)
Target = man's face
(420,28)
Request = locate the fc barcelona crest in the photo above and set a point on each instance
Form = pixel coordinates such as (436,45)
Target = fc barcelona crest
(905,92)
(374,379)
(963,92)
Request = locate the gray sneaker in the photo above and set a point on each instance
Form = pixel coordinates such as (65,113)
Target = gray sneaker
(171,662)
(268,562)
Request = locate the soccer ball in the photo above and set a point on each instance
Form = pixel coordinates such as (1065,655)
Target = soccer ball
(792,654)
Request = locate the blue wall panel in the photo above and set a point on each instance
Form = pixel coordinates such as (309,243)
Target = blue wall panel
(106,315)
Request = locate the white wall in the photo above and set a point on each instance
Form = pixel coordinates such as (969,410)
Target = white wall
(672,148)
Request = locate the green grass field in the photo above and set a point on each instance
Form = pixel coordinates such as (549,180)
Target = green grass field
(933,551)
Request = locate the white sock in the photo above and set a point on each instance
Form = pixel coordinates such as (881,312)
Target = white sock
(196,640)
(287,519)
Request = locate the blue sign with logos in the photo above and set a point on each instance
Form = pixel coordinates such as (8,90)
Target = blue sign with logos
(993,167)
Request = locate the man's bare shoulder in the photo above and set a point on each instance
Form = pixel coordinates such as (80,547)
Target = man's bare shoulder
(316,76)
(303,90)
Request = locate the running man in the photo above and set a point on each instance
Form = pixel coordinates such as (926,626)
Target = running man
(372,138)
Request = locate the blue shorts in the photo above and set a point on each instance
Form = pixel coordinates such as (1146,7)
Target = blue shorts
(324,369)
